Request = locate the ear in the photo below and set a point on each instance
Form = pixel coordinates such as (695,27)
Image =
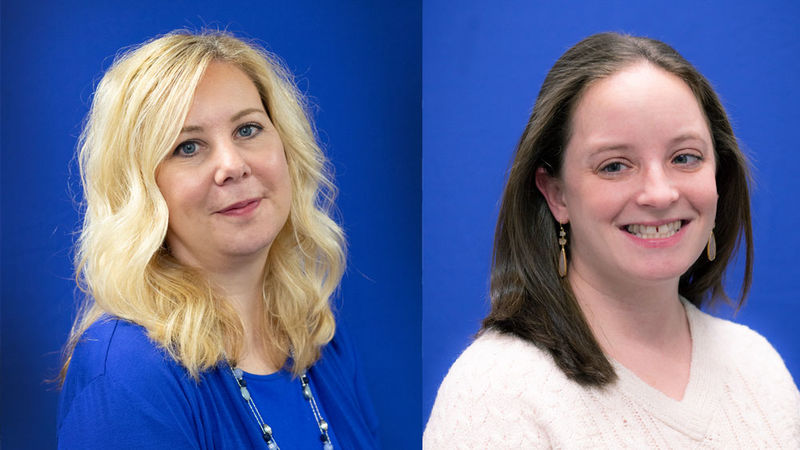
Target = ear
(553,192)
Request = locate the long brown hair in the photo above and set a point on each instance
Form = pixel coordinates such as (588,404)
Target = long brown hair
(529,299)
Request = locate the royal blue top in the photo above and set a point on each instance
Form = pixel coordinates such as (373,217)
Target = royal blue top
(124,391)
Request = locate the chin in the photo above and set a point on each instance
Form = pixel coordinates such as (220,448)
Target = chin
(659,272)
(661,264)
(247,247)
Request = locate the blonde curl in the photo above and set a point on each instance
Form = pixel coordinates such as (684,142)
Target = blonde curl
(121,262)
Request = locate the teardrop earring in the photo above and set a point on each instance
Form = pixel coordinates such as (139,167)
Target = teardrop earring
(711,248)
(562,258)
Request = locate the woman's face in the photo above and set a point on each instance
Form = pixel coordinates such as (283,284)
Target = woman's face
(638,180)
(226,183)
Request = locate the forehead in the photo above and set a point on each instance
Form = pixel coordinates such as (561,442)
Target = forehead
(224,85)
(639,104)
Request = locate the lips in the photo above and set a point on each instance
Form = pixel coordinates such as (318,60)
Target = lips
(240,207)
(660,231)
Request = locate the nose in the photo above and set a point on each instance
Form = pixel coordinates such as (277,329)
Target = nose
(230,164)
(658,190)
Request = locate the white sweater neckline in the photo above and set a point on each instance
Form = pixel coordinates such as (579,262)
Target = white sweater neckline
(695,411)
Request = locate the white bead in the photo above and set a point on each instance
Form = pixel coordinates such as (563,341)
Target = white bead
(246,394)
(323,425)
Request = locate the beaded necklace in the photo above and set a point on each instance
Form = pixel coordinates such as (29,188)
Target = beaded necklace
(266,430)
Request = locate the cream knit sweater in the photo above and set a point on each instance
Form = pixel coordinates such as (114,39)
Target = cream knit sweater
(505,393)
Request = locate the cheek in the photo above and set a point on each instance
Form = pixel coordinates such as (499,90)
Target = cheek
(701,191)
(705,200)
(275,173)
(280,168)
(285,188)
(181,191)
(600,201)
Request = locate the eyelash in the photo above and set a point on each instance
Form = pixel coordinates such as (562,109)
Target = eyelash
(697,158)
(257,127)
(605,168)
(254,125)
(177,151)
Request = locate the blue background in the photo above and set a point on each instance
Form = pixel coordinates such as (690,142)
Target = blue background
(365,65)
(359,62)
(482,69)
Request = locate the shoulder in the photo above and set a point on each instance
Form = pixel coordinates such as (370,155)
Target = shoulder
(494,357)
(340,350)
(339,357)
(119,379)
(736,344)
(749,368)
(342,390)
(118,350)
(489,387)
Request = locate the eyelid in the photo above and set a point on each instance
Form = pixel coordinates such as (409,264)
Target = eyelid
(255,125)
(603,165)
(176,150)
(699,156)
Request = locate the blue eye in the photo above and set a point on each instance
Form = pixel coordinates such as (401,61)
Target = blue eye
(613,167)
(248,130)
(187,148)
(686,159)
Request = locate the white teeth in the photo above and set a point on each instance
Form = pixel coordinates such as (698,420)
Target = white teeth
(654,232)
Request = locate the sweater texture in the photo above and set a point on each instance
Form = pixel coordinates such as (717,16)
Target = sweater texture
(505,393)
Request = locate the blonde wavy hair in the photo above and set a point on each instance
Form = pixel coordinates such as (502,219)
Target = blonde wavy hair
(121,262)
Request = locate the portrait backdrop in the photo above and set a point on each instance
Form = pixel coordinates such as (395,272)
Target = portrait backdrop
(482,69)
(359,63)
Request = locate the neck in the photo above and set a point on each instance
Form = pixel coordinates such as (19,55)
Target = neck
(621,312)
(642,326)
(242,287)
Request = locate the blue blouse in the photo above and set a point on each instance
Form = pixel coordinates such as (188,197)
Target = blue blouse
(123,391)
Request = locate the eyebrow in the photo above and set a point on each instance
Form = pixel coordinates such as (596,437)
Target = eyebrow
(691,136)
(245,112)
(234,118)
(608,148)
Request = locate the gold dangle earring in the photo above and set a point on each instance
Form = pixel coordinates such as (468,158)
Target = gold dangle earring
(562,258)
(711,248)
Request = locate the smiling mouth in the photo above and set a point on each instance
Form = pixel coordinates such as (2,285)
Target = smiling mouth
(654,231)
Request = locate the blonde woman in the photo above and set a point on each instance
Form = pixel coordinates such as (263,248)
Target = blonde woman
(208,257)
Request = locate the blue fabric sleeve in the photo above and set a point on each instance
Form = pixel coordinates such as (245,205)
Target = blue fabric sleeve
(122,392)
(107,414)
